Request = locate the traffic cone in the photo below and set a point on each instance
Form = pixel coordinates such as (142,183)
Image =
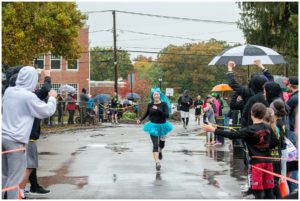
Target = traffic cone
(282,187)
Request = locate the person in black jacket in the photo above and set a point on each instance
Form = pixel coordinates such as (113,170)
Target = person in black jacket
(236,106)
(292,87)
(32,153)
(260,139)
(252,94)
(185,103)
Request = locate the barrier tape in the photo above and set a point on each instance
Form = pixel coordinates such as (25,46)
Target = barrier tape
(274,158)
(277,175)
(14,150)
(10,188)
(228,127)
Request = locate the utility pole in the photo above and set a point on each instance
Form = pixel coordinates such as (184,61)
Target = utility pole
(115,51)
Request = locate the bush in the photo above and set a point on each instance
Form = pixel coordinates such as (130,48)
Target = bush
(129,116)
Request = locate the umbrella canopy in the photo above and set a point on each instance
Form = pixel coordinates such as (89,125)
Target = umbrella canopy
(133,96)
(67,88)
(281,80)
(102,98)
(247,54)
(222,87)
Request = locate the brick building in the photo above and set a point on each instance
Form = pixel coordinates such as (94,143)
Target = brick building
(71,72)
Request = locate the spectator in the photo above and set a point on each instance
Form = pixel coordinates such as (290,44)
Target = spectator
(20,107)
(184,104)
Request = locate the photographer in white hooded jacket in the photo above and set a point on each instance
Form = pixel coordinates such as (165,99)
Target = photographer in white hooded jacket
(20,106)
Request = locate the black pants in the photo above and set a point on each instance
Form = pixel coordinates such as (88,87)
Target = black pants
(33,180)
(264,194)
(157,143)
(71,116)
(60,114)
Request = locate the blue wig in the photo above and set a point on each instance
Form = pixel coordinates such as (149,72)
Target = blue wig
(163,98)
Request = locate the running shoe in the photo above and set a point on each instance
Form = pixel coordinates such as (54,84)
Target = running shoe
(158,166)
(160,156)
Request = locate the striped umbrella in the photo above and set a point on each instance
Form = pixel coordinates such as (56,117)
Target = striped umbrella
(247,54)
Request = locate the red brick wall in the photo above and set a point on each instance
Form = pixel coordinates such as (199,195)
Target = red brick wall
(79,77)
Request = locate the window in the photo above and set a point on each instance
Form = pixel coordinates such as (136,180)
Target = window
(40,61)
(55,62)
(72,64)
(54,86)
(76,88)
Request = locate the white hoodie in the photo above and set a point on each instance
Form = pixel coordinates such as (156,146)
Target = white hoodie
(20,107)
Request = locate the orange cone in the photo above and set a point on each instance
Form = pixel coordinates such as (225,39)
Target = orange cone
(282,187)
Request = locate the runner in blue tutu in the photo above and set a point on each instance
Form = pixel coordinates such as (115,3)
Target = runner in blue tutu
(158,126)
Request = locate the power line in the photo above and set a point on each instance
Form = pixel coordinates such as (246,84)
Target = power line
(151,52)
(166,17)
(152,34)
(100,31)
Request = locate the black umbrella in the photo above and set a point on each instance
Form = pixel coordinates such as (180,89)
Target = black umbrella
(247,54)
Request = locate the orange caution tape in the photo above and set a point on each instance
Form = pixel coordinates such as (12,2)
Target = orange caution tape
(9,188)
(274,158)
(14,150)
(277,175)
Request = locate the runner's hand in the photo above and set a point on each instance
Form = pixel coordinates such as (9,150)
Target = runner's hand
(138,121)
(154,107)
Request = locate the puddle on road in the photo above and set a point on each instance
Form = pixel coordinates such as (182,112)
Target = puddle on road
(97,135)
(210,176)
(116,147)
(47,153)
(60,175)
(190,152)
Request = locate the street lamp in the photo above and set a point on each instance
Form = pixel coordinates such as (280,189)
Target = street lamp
(160,80)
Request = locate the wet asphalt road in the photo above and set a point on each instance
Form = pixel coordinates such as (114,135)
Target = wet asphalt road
(116,162)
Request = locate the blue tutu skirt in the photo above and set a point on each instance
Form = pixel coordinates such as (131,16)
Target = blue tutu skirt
(158,129)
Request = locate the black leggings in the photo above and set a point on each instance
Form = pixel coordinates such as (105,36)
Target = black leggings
(157,143)
(263,194)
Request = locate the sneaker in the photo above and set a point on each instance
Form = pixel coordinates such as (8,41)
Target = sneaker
(160,156)
(39,191)
(26,193)
(158,166)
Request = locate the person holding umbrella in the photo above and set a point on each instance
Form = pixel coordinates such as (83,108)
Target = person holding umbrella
(71,107)
(253,91)
(158,127)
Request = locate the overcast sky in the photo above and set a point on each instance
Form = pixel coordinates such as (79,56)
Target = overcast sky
(201,31)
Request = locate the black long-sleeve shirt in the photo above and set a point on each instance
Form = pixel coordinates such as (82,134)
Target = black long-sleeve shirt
(245,92)
(158,115)
(41,94)
(260,139)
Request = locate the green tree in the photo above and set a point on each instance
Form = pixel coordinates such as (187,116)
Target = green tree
(272,24)
(148,70)
(102,67)
(33,28)
(185,67)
